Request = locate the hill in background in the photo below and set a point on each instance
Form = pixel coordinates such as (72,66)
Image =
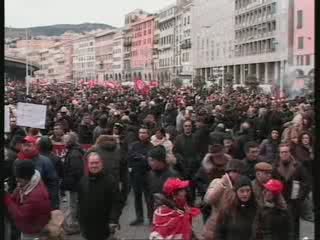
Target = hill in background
(55,30)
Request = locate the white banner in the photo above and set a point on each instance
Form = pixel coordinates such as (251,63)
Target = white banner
(6,119)
(31,115)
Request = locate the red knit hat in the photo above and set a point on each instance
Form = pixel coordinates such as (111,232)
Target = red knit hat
(274,186)
(30,139)
(172,185)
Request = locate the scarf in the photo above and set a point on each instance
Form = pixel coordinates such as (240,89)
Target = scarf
(28,156)
(24,191)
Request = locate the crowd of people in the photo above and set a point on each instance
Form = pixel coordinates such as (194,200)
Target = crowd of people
(243,160)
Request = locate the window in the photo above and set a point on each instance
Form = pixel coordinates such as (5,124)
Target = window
(307,60)
(299,19)
(300,42)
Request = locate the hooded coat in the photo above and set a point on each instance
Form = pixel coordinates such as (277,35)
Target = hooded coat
(30,209)
(73,168)
(272,223)
(115,164)
(227,226)
(269,149)
(48,175)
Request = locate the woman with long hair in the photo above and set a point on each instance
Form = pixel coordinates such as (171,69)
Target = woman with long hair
(272,220)
(235,219)
(303,152)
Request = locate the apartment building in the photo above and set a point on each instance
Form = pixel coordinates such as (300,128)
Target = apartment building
(84,58)
(142,48)
(156,73)
(104,55)
(303,38)
(183,60)
(212,36)
(127,44)
(56,63)
(167,25)
(243,37)
(118,56)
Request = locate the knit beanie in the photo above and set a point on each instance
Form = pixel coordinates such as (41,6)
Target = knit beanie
(25,169)
(235,165)
(243,181)
(158,153)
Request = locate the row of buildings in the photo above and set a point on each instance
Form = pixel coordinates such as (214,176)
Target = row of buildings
(192,38)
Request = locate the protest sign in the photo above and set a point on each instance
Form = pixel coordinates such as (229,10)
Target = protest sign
(31,115)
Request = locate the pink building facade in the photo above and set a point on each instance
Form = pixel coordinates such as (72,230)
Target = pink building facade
(142,48)
(304,36)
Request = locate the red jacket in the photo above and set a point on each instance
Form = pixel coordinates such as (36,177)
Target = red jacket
(33,214)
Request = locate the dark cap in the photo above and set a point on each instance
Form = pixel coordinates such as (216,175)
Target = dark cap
(235,165)
(158,153)
(216,148)
(25,169)
(243,181)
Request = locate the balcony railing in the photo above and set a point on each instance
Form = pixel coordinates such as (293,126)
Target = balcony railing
(185,45)
(127,43)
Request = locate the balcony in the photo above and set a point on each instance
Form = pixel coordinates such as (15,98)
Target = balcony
(185,45)
(127,43)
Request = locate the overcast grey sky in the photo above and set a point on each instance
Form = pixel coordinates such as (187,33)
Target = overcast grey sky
(29,13)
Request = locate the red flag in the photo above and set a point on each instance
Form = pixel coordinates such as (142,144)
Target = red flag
(154,84)
(110,85)
(139,85)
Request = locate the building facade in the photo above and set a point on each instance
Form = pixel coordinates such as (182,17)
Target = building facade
(142,49)
(156,41)
(183,60)
(84,59)
(118,56)
(303,38)
(104,55)
(167,46)
(243,38)
(56,63)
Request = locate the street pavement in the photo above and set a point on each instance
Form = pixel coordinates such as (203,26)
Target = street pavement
(142,232)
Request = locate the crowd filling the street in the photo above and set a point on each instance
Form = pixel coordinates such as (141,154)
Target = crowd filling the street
(239,159)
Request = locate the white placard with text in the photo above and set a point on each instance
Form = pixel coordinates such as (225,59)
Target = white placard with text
(31,115)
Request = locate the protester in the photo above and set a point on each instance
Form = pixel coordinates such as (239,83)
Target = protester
(296,182)
(117,166)
(99,201)
(236,218)
(251,159)
(273,219)
(220,191)
(29,205)
(263,175)
(269,146)
(138,168)
(173,217)
(160,171)
(30,151)
(73,171)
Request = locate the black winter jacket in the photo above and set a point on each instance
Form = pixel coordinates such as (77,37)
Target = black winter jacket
(272,224)
(99,205)
(73,168)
